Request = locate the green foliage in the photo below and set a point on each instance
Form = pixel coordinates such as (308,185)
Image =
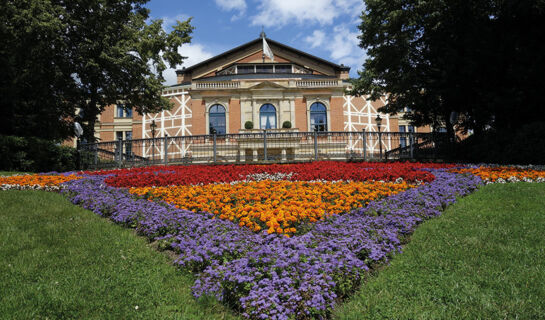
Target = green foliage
(248,125)
(53,251)
(286,125)
(59,56)
(483,259)
(482,59)
(35,155)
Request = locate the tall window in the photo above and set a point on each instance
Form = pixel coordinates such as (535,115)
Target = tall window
(402,138)
(267,116)
(121,112)
(217,119)
(318,117)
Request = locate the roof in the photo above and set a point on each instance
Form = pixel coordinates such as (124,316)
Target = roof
(253,42)
(265,76)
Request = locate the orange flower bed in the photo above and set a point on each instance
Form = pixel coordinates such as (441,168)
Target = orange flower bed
(505,173)
(277,206)
(37,180)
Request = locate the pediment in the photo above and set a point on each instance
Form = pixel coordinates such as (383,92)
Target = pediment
(267,85)
(252,53)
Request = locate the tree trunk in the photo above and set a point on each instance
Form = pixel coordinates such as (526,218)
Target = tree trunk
(90,115)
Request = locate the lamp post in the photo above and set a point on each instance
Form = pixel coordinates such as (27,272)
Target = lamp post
(378,120)
(153,126)
(78,130)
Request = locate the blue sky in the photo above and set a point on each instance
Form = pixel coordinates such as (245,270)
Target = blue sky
(324,28)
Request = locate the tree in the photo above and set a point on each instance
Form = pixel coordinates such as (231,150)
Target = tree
(88,54)
(35,86)
(482,59)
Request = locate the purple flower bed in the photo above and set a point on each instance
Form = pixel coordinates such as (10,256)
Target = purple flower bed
(272,276)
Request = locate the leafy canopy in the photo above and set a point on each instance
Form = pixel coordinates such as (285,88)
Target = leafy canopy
(483,59)
(63,55)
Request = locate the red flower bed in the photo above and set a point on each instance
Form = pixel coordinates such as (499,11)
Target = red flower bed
(326,170)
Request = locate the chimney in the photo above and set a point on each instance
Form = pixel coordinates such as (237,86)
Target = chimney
(182,76)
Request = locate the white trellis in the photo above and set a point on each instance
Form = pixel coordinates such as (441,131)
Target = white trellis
(360,118)
(169,122)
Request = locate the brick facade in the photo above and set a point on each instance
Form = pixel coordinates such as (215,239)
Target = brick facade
(225,80)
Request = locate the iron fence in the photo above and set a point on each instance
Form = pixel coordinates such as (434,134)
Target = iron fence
(263,147)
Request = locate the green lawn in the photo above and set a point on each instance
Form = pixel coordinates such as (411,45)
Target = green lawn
(60,261)
(483,259)
(11,173)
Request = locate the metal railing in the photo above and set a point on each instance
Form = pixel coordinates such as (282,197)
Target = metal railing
(265,146)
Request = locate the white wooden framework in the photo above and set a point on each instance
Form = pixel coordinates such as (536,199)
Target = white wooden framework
(169,122)
(363,118)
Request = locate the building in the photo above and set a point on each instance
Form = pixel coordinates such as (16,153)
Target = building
(264,84)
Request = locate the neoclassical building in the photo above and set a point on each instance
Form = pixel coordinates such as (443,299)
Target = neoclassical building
(262,83)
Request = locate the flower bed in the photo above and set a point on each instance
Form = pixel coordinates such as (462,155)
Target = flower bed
(35,181)
(326,170)
(275,206)
(505,174)
(269,275)
(347,218)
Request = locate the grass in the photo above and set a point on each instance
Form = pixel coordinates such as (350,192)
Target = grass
(11,173)
(483,259)
(59,261)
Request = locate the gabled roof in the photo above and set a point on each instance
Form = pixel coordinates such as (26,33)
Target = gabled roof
(251,76)
(254,42)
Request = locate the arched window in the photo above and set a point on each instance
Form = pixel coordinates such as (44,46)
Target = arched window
(217,119)
(267,116)
(318,117)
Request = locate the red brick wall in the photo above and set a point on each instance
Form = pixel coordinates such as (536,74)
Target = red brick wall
(301,114)
(107,135)
(234,116)
(108,114)
(137,131)
(198,121)
(336,114)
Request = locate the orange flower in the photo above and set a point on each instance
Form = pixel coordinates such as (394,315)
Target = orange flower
(492,174)
(37,180)
(276,206)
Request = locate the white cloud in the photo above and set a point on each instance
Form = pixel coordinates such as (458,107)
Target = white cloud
(195,53)
(278,13)
(229,5)
(315,39)
(170,21)
(341,43)
(344,43)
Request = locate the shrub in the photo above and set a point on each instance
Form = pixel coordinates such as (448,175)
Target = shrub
(525,146)
(286,125)
(528,145)
(35,155)
(248,125)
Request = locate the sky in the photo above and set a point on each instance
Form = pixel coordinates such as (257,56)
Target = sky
(324,28)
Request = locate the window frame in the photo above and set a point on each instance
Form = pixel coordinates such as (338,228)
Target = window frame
(122,112)
(324,113)
(270,113)
(215,115)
